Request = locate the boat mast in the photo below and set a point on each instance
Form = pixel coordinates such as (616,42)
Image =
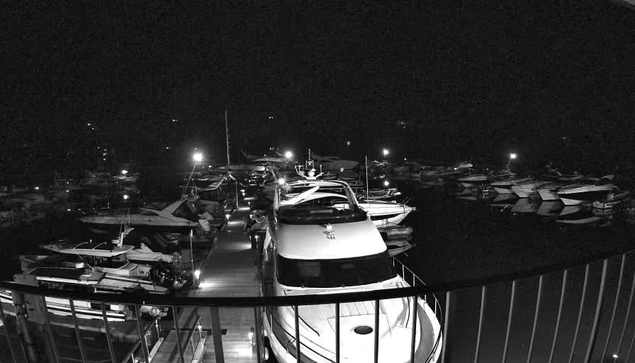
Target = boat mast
(228,162)
(227,140)
(366,162)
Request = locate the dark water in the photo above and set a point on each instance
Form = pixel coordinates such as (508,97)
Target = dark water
(463,239)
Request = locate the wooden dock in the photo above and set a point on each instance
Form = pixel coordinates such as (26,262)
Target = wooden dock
(227,270)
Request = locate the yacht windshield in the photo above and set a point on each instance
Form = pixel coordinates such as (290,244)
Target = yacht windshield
(313,204)
(335,273)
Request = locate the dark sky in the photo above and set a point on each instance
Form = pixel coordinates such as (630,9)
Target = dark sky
(548,79)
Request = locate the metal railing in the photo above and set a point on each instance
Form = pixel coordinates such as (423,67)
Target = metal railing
(574,312)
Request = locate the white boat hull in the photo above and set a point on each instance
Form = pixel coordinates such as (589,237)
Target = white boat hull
(394,341)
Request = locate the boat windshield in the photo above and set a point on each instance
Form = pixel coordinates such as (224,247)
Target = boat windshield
(335,272)
(310,205)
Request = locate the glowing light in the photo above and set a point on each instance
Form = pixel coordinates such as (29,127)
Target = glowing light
(124,172)
(348,143)
(512,156)
(205,285)
(281,181)
(341,170)
(386,183)
(385,152)
(126,197)
(614,356)
(288,154)
(227,216)
(197,274)
(198,157)
(37,188)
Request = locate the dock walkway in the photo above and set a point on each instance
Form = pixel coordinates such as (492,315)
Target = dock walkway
(228,270)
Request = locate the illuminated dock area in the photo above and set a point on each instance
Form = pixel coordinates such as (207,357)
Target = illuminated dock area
(227,270)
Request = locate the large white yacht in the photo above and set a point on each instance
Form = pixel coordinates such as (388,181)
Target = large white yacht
(316,244)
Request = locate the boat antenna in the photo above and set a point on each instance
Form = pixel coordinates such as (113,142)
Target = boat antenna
(227,140)
(366,162)
(124,228)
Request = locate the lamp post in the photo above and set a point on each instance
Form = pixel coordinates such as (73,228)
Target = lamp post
(512,157)
(197,157)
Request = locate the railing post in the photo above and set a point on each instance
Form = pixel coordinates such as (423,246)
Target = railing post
(628,314)
(78,334)
(376,340)
(6,332)
(23,329)
(536,312)
(258,332)
(175,321)
(512,301)
(49,329)
(414,329)
(142,338)
(577,325)
(297,333)
(337,332)
(111,348)
(480,322)
(563,289)
(216,335)
(596,317)
(446,323)
(617,299)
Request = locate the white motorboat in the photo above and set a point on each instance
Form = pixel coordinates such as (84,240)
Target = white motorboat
(121,318)
(322,245)
(180,216)
(116,259)
(386,213)
(549,208)
(505,186)
(469,181)
(528,188)
(611,200)
(380,194)
(548,192)
(333,162)
(580,193)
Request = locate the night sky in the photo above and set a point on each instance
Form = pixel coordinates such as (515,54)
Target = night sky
(444,80)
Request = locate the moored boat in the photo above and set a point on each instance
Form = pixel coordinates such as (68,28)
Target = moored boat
(323,245)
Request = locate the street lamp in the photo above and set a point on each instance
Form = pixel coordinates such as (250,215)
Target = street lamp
(385,152)
(512,156)
(288,155)
(197,157)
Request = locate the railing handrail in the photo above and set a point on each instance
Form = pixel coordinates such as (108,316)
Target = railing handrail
(251,301)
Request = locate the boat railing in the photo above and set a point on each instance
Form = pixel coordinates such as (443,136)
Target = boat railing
(413,280)
(517,316)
